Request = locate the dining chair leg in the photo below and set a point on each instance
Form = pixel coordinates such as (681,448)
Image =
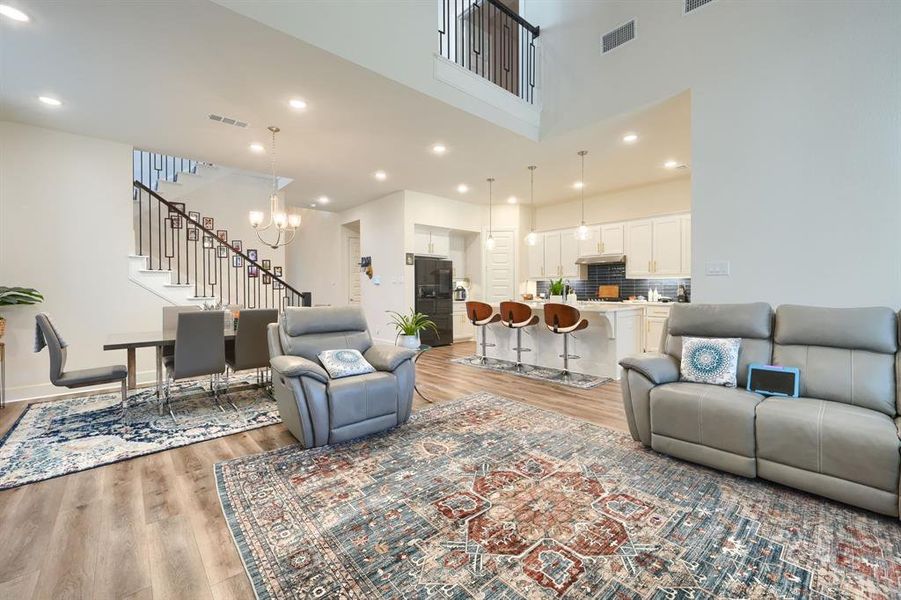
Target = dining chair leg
(124,402)
(169,399)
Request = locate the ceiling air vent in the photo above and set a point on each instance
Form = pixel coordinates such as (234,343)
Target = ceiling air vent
(691,5)
(227,120)
(618,37)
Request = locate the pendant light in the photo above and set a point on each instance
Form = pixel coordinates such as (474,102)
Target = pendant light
(583,233)
(285,223)
(490,243)
(532,237)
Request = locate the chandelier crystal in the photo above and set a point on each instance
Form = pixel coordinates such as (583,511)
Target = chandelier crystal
(285,224)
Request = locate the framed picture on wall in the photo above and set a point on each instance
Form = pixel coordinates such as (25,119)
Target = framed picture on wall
(208,223)
(237,261)
(194,216)
(253,271)
(277,285)
(176,206)
(222,234)
(222,251)
(266,279)
(192,234)
(207,242)
(252,254)
(267,264)
(277,271)
(237,245)
(176,221)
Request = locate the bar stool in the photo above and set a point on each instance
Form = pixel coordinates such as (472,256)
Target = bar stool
(564,319)
(482,315)
(518,316)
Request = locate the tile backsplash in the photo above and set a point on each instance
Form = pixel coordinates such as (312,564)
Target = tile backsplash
(615,274)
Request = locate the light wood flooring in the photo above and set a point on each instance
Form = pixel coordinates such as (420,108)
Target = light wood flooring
(152,527)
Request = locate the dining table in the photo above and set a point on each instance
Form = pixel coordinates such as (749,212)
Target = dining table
(131,342)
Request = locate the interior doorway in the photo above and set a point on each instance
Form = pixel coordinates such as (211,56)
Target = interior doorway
(353,269)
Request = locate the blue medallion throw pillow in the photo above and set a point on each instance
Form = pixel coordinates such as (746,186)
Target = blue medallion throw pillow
(344,363)
(710,360)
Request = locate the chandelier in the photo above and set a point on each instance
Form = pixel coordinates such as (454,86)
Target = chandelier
(285,224)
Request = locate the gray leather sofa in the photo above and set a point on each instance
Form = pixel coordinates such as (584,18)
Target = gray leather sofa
(318,410)
(839,439)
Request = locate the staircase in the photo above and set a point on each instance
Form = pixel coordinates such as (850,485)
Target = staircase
(182,261)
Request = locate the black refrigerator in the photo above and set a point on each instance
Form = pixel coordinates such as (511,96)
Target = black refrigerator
(435,298)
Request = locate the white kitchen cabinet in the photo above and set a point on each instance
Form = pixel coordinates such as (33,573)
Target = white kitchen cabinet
(536,259)
(639,249)
(569,252)
(431,241)
(613,238)
(552,254)
(440,242)
(654,321)
(686,245)
(463,327)
(421,240)
(457,255)
(666,259)
(591,246)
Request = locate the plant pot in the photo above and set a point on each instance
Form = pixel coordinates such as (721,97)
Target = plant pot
(556,298)
(409,341)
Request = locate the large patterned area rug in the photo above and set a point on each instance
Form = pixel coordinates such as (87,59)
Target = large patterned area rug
(488,498)
(65,436)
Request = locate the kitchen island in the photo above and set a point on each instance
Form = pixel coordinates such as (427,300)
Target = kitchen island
(613,332)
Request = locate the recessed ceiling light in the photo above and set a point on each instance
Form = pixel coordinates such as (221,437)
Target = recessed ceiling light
(578,185)
(322,200)
(257,148)
(13,13)
(511,200)
(49,101)
(297,103)
(630,138)
(380,175)
(670,164)
(439,148)
(462,188)
(312,205)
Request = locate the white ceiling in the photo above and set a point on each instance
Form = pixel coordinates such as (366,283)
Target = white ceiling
(149,73)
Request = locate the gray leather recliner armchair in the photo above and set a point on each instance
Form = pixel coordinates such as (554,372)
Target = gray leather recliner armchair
(839,439)
(319,410)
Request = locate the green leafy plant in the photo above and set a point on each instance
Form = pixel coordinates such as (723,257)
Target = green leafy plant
(556,288)
(412,323)
(10,296)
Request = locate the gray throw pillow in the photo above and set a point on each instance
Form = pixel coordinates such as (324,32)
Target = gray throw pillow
(344,363)
(710,360)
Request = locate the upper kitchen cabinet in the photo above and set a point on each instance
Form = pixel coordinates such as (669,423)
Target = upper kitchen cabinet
(569,253)
(561,249)
(431,241)
(552,254)
(605,239)
(536,259)
(658,247)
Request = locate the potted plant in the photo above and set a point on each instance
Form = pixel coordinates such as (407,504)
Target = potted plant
(556,290)
(409,326)
(12,296)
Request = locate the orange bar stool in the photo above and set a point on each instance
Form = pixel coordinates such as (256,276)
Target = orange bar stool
(482,315)
(518,316)
(565,320)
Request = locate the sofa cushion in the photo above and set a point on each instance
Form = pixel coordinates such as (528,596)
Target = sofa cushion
(874,329)
(848,442)
(361,397)
(710,360)
(710,415)
(344,363)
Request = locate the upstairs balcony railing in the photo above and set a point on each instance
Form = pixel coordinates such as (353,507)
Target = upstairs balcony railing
(490,39)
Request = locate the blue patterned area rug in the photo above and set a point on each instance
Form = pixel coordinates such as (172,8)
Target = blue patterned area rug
(488,498)
(59,437)
(576,380)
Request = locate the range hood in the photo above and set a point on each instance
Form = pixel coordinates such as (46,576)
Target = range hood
(601,259)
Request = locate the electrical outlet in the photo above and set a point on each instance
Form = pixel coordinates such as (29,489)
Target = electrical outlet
(717,268)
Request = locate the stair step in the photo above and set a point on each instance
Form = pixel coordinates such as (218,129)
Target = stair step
(178,285)
(163,271)
(202,298)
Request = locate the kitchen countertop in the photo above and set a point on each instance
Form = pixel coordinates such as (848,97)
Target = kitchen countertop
(598,307)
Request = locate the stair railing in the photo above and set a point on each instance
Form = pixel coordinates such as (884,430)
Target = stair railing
(220,270)
(152,167)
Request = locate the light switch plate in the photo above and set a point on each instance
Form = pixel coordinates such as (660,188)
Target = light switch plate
(717,268)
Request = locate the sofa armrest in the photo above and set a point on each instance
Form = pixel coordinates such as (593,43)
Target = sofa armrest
(295,366)
(659,368)
(387,358)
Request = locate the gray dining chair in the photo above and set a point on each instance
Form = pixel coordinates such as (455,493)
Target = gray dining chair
(250,349)
(81,377)
(199,350)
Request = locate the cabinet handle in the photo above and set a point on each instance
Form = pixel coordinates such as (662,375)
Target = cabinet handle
(603,247)
(649,267)
(655,266)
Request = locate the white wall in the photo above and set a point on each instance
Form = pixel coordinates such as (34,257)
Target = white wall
(796,132)
(638,202)
(65,229)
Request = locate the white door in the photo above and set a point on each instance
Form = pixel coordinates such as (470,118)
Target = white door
(686,245)
(552,255)
(592,245)
(613,238)
(500,281)
(667,246)
(353,270)
(536,259)
(638,249)
(569,252)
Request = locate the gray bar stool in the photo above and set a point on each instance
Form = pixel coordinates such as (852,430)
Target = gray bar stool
(518,316)
(482,315)
(564,319)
